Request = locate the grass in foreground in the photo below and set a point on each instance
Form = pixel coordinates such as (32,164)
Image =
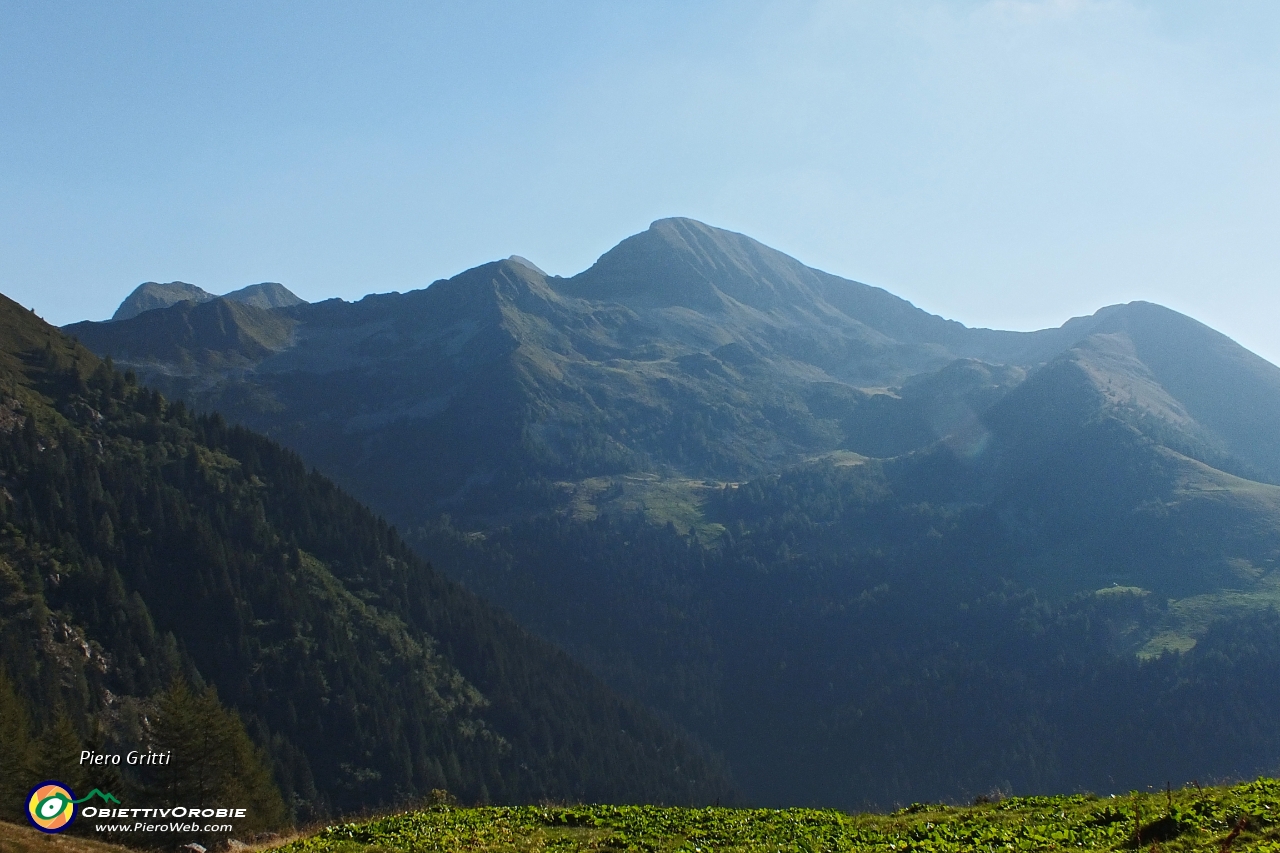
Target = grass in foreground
(1241,818)
(23,839)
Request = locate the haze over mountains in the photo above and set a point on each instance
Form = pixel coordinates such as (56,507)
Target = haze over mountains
(867,553)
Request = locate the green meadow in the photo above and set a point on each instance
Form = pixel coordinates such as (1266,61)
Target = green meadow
(1244,817)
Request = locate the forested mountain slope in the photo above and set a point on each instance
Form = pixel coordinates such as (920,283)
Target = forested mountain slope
(142,546)
(859,635)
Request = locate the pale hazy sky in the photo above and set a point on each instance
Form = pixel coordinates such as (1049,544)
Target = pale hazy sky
(1009,163)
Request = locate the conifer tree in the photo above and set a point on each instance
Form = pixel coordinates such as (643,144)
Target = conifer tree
(16,752)
(214,763)
(58,753)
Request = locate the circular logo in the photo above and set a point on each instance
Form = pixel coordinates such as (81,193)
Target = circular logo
(51,806)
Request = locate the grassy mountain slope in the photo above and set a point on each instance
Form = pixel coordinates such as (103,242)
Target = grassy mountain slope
(141,544)
(1096,450)
(1231,393)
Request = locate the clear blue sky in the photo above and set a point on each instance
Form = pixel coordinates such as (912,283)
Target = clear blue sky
(1004,163)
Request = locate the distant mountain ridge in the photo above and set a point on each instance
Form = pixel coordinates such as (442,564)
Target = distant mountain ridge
(151,295)
(684,349)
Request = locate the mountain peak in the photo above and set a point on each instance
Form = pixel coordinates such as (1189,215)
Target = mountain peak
(152,294)
(681,262)
(268,294)
(525,262)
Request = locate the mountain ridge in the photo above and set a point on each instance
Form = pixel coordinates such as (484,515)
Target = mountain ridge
(684,349)
(152,295)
